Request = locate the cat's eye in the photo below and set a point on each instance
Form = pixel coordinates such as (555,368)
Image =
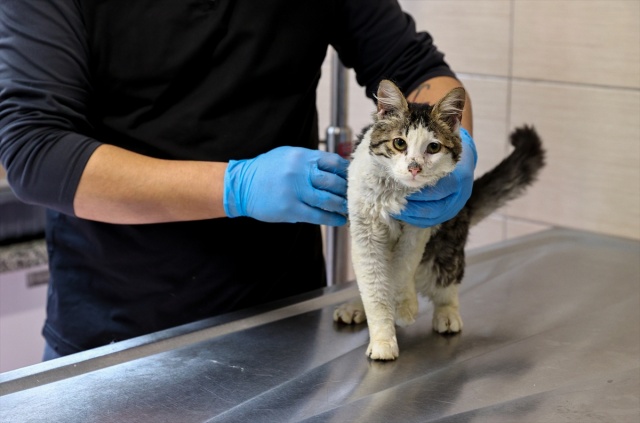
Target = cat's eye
(399,144)
(434,147)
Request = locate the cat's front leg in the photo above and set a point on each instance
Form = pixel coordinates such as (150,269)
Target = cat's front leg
(378,301)
(350,313)
(383,344)
(372,264)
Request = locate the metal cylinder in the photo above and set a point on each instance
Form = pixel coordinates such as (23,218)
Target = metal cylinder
(337,251)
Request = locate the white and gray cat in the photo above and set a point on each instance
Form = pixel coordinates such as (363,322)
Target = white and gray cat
(410,146)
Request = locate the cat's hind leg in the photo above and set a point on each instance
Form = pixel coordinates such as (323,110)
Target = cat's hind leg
(407,307)
(446,311)
(443,295)
(407,254)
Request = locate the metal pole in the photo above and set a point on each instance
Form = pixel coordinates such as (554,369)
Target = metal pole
(338,141)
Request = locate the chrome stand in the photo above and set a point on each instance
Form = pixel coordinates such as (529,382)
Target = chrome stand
(338,141)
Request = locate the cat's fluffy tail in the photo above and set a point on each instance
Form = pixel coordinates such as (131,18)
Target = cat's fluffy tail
(510,177)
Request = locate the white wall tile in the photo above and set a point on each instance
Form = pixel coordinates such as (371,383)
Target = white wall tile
(591,42)
(489,100)
(592,137)
(516,227)
(489,231)
(473,34)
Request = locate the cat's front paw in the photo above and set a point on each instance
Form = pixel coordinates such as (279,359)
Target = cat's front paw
(447,320)
(350,313)
(383,350)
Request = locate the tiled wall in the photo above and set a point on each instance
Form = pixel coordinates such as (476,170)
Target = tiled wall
(569,67)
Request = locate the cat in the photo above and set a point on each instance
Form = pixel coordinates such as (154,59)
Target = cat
(410,146)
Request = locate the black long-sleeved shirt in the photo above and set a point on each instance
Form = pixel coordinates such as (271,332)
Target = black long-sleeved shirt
(177,79)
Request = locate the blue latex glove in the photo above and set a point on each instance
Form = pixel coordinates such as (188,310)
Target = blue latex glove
(434,205)
(288,184)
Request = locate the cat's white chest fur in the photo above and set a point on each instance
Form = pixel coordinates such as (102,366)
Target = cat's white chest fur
(374,197)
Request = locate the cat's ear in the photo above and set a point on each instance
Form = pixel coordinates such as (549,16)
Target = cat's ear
(390,100)
(449,108)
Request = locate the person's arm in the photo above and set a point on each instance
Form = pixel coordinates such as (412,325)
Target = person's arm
(286,184)
(118,186)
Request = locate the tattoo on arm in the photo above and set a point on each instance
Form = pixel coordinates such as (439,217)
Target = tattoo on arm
(423,86)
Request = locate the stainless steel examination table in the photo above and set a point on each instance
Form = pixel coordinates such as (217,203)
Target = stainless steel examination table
(552,334)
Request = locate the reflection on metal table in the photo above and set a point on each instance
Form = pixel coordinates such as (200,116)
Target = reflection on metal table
(551,335)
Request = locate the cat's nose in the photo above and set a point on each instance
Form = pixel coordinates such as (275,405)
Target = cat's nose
(415,168)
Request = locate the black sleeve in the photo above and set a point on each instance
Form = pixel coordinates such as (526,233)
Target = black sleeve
(379,41)
(44,86)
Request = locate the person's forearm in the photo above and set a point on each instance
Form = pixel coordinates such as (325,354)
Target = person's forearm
(118,186)
(432,90)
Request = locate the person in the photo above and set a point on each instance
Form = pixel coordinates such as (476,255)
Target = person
(175,147)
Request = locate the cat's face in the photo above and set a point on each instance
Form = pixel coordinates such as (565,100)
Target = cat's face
(415,143)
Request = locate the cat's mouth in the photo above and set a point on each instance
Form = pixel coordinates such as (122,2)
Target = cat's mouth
(414,179)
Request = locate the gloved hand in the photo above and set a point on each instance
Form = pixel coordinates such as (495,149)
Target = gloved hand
(434,205)
(288,184)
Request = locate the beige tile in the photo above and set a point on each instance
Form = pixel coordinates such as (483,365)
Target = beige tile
(584,41)
(592,137)
(516,227)
(489,231)
(489,102)
(473,34)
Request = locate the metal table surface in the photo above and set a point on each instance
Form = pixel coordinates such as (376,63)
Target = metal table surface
(551,335)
